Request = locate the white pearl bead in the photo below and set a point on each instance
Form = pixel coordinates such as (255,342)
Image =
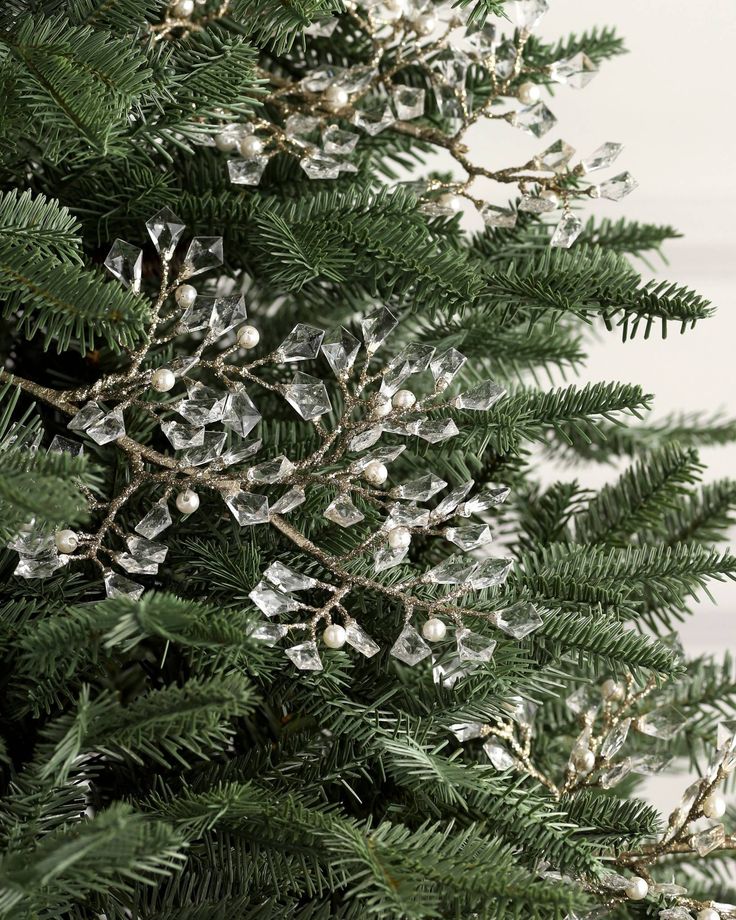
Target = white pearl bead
(637,889)
(434,630)
(185,295)
(375,473)
(184,8)
(399,537)
(163,380)
(529,93)
(611,690)
(187,501)
(453,202)
(404,399)
(335,97)
(584,760)
(714,806)
(251,146)
(708,913)
(248,337)
(66,541)
(550,195)
(382,407)
(334,636)
(226,141)
(425,24)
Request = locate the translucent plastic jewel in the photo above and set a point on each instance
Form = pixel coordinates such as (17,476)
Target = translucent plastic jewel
(247,170)
(146,550)
(664,722)
(301,344)
(238,452)
(271,601)
(409,102)
(376,327)
(484,500)
(519,619)
(135,566)
(87,415)
(526,14)
(451,66)
(198,315)
(238,413)
(481,397)
(227,313)
(455,570)
(602,158)
(497,217)
(62,445)
(125,262)
(706,841)
(481,39)
(343,512)
(373,115)
(499,756)
(567,231)
(406,516)
(356,78)
(420,490)
(534,119)
(382,455)
(305,656)
(650,764)
(365,439)
(448,104)
(119,586)
(410,647)
(436,430)
(615,739)
(469,536)
(490,573)
(301,128)
(156,521)
(585,699)
(308,395)
(534,204)
(450,502)
(388,557)
(247,508)
(446,365)
(268,633)
(288,501)
(287,579)
(576,71)
(612,775)
(675,913)
(209,450)
(320,165)
(204,252)
(668,889)
(336,140)
(340,348)
(109,428)
(271,471)
(203,405)
(556,156)
(619,187)
(472,646)
(183,436)
(318,79)
(359,639)
(165,230)
(40,564)
(468,731)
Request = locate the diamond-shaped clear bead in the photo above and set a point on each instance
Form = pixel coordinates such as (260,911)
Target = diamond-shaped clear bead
(203,405)
(62,445)
(519,619)
(287,579)
(387,557)
(406,516)
(271,471)
(534,119)
(135,566)
(272,601)
(318,79)
(268,633)
(491,572)
(567,231)
(526,14)
(365,439)
(320,165)
(586,698)
(446,365)
(556,156)
(376,327)
(577,71)
(204,252)
(535,204)
(469,536)
(165,230)
(247,171)
(489,498)
(602,158)
(198,315)
(373,115)
(308,396)
(472,646)
(420,490)
(119,586)
(359,639)
(125,262)
(88,415)
(410,647)
(301,344)
(227,312)
(499,756)
(408,102)
(340,348)
(450,502)
(288,501)
(455,570)
(343,512)
(336,140)
(482,39)
(210,448)
(451,66)
(497,217)
(109,428)
(146,550)
(468,731)
(436,430)
(663,722)
(710,839)
(615,739)
(183,436)
(619,187)
(305,656)
(481,397)
(248,509)
(239,414)
(156,521)
(302,128)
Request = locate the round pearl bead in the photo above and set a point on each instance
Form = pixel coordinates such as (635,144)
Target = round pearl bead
(434,630)
(187,501)
(453,202)
(529,93)
(611,690)
(334,636)
(550,195)
(226,141)
(382,407)
(248,337)
(584,760)
(185,295)
(163,380)
(403,399)
(335,97)
(375,473)
(708,913)
(425,24)
(399,538)
(66,541)
(637,889)
(714,806)
(251,146)
(184,8)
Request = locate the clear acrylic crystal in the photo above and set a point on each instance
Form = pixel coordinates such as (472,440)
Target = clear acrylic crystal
(135,566)
(585,699)
(490,573)
(271,471)
(526,14)
(271,601)
(384,455)
(469,536)
(247,170)
(602,158)
(62,445)
(340,348)
(197,316)
(534,119)
(556,156)
(615,739)
(577,71)
(302,128)
(448,104)
(710,839)
(376,327)
(237,453)
(156,521)
(125,262)
(410,647)
(497,217)
(204,252)
(650,764)
(227,313)
(413,359)
(209,450)
(318,79)
(320,165)
(359,639)
(664,722)
(567,231)
(305,656)
(468,731)
(336,140)
(239,414)
(408,101)
(519,619)
(373,115)
(387,557)
(481,397)
(489,498)
(308,395)
(287,579)
(455,570)
(88,415)
(451,66)
(472,646)
(619,187)
(146,550)
(482,39)
(181,365)
(534,204)
(613,774)
(268,633)
(447,673)
(436,430)
(109,428)
(446,365)
(450,502)
(165,229)
(343,512)
(301,344)
(675,913)
(420,490)
(247,508)
(39,566)
(120,586)
(365,439)
(406,516)
(668,889)
(183,436)
(203,405)
(288,501)
(499,756)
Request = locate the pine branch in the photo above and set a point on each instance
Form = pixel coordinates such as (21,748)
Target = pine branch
(40,225)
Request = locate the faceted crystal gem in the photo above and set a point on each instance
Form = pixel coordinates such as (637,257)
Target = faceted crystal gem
(288,501)
(410,647)
(448,104)
(271,471)
(472,646)
(318,79)
(356,78)
(237,453)
(469,536)
(481,39)
(436,430)
(664,722)
(87,415)
(483,501)
(567,231)
(602,158)
(706,841)
(301,344)
(319,165)
(156,521)
(468,731)
(490,573)
(342,511)
(526,14)
(451,66)
(454,570)
(534,204)
(120,586)
(534,119)
(519,619)
(125,262)
(481,397)
(227,312)
(577,71)
(650,764)
(340,348)
(271,601)
(203,405)
(62,445)
(308,395)
(359,639)
(499,756)
(376,327)
(146,550)
(305,656)
(585,699)
(336,140)
(373,115)
(248,509)
(446,365)
(165,229)
(268,633)
(287,579)
(387,557)
(239,414)
(247,171)
(183,436)
(302,128)
(204,252)
(198,315)
(612,775)
(406,516)
(408,102)
(615,739)
(556,156)
(674,913)
(450,502)
(497,217)
(619,187)
(109,428)
(210,448)
(383,455)
(420,490)
(136,566)
(365,439)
